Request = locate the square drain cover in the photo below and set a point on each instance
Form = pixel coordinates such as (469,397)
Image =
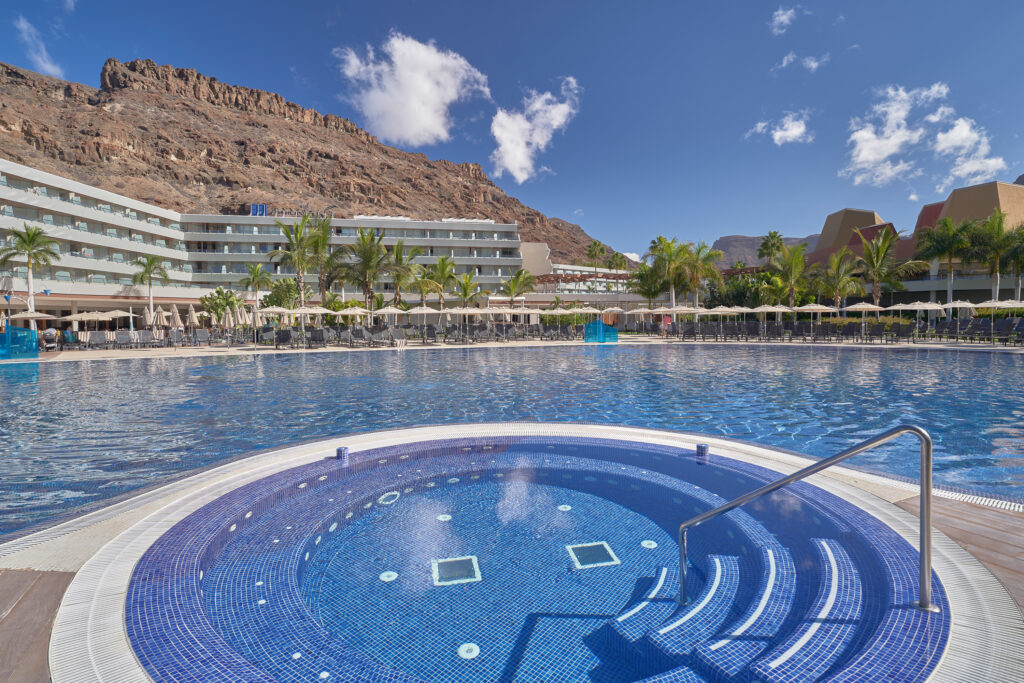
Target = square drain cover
(587,555)
(452,570)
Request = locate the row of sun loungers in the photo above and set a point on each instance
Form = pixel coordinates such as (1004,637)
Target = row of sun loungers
(976,330)
(357,335)
(1007,331)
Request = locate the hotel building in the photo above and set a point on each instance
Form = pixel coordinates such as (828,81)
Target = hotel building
(100,233)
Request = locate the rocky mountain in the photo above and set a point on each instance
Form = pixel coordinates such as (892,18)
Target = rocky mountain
(744,248)
(179,139)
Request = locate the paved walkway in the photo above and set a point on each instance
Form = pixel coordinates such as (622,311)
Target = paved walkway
(219,350)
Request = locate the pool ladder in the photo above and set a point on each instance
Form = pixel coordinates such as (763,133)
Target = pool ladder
(924,579)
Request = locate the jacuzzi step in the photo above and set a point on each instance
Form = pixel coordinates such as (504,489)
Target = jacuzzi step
(657,605)
(680,674)
(726,657)
(821,638)
(674,638)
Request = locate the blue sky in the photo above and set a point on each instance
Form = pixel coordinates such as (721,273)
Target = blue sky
(693,120)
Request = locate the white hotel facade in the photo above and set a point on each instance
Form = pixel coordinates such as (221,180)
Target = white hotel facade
(100,233)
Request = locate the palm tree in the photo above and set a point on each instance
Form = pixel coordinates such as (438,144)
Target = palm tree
(648,283)
(467,289)
(773,290)
(770,246)
(38,249)
(424,284)
(789,264)
(149,267)
(1015,258)
(320,254)
(839,278)
(443,273)
(366,260)
(670,259)
(595,252)
(944,242)
(403,270)
(256,279)
(699,267)
(297,252)
(520,283)
(878,263)
(616,261)
(991,244)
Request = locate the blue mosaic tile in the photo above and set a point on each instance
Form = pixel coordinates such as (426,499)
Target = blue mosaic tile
(324,572)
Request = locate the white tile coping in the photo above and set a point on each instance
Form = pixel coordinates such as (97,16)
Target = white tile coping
(89,641)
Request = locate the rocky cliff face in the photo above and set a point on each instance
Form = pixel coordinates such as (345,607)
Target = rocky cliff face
(185,141)
(744,248)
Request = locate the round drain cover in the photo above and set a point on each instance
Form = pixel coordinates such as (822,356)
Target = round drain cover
(469,650)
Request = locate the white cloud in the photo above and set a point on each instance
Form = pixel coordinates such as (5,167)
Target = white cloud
(781,20)
(786,61)
(792,128)
(884,141)
(69,5)
(812,64)
(406,95)
(577,212)
(885,133)
(759,128)
(632,256)
(970,147)
(522,135)
(37,53)
(940,114)
(913,197)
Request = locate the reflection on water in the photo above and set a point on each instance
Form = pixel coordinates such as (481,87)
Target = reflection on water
(75,433)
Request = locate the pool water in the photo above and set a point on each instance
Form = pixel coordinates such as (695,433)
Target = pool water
(79,433)
(528,559)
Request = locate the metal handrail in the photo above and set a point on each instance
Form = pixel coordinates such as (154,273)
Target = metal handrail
(924,578)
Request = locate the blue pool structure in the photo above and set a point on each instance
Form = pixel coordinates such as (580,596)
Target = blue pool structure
(531,558)
(78,435)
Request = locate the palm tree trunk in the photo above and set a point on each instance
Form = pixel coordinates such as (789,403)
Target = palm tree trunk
(995,285)
(152,320)
(255,311)
(672,293)
(322,284)
(949,280)
(301,282)
(31,295)
(1017,297)
(876,296)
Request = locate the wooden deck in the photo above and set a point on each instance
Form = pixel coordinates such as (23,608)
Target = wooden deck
(996,537)
(28,603)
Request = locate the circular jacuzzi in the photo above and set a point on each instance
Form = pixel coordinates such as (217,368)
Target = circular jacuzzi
(532,557)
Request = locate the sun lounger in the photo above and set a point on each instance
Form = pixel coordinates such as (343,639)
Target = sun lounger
(123,339)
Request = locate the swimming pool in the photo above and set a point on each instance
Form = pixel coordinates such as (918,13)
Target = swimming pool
(79,433)
(532,558)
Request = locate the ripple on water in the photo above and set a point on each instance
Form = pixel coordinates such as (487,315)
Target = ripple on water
(74,433)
